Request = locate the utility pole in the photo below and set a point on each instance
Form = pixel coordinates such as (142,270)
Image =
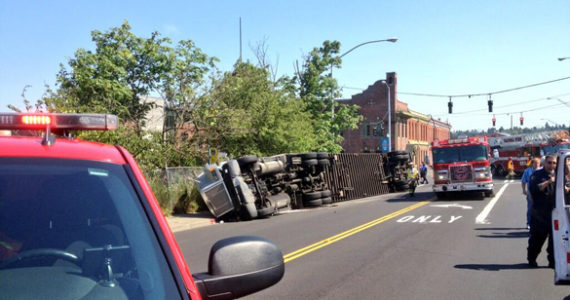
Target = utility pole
(240,39)
(511,121)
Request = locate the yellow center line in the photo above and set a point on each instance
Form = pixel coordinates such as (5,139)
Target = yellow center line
(320,244)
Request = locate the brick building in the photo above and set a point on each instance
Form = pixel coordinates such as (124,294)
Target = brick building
(411,131)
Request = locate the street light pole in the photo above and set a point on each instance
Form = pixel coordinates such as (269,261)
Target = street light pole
(389,117)
(391,40)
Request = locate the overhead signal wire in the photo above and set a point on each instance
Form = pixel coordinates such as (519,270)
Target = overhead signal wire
(516,104)
(484,94)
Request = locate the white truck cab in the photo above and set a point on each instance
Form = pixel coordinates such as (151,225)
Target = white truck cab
(561,220)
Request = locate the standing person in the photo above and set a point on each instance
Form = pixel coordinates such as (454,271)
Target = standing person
(510,169)
(423,173)
(542,187)
(534,165)
(413,178)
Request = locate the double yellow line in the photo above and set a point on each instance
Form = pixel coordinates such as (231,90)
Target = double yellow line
(318,245)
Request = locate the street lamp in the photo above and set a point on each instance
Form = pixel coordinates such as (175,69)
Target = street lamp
(563,58)
(547,120)
(391,40)
(559,100)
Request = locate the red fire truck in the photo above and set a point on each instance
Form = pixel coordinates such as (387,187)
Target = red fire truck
(522,147)
(462,165)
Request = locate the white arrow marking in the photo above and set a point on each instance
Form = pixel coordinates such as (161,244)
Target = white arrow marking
(452,205)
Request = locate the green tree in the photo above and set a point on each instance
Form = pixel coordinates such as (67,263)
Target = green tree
(317,89)
(114,77)
(249,113)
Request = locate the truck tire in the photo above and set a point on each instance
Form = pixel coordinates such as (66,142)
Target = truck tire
(402,157)
(249,211)
(247,160)
(310,162)
(489,193)
(324,162)
(322,155)
(401,188)
(315,202)
(312,195)
(308,155)
(326,193)
(327,200)
(233,168)
(396,153)
(265,212)
(501,171)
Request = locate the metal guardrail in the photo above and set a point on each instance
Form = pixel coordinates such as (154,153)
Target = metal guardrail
(356,175)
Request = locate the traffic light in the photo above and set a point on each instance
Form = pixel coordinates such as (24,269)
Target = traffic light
(490,103)
(494,120)
(522,120)
(450,106)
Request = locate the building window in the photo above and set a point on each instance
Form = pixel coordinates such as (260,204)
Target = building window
(365,129)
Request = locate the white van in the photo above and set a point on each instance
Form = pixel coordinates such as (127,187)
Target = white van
(561,220)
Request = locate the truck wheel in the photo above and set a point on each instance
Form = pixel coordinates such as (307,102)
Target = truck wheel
(396,153)
(500,171)
(265,212)
(316,202)
(324,162)
(312,195)
(326,193)
(489,193)
(249,211)
(308,155)
(327,200)
(310,162)
(401,157)
(400,188)
(322,155)
(233,168)
(246,160)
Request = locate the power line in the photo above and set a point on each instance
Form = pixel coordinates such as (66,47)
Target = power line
(484,94)
(470,95)
(508,113)
(515,104)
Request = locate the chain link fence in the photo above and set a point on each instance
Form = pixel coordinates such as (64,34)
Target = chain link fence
(175,188)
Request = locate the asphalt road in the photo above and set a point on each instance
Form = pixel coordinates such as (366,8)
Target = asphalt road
(397,247)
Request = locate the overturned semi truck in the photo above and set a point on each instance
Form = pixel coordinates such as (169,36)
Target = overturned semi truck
(255,187)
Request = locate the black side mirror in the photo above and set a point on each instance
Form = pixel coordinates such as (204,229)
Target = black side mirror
(239,266)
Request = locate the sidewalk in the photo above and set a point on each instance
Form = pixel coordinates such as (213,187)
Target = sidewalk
(190,221)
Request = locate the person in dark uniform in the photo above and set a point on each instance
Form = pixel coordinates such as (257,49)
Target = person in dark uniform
(542,187)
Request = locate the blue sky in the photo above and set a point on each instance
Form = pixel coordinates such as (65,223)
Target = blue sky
(444,47)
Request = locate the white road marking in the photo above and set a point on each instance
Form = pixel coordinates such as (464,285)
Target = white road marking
(453,218)
(452,205)
(482,217)
(426,219)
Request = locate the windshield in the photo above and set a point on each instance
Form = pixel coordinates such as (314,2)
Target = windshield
(69,229)
(456,154)
(554,149)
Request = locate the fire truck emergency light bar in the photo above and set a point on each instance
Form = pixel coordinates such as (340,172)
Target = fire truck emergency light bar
(24,121)
(481,139)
